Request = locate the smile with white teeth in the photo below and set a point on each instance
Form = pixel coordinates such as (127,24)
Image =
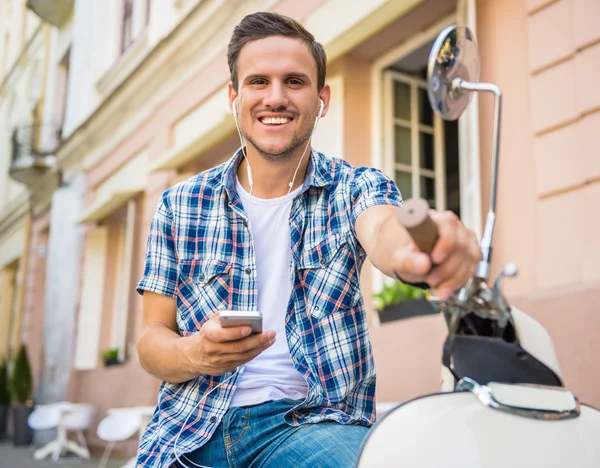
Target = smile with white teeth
(275,120)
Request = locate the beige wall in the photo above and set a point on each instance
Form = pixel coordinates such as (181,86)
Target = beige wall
(7,297)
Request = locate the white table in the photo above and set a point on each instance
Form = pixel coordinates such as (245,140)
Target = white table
(64,416)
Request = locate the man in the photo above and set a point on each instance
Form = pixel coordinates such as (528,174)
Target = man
(285,231)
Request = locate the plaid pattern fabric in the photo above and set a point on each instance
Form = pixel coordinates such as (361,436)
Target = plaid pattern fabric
(200,252)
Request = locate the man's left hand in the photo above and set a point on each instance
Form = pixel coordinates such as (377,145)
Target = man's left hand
(453,259)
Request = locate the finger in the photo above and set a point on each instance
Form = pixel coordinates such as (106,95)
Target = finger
(410,264)
(448,227)
(258,341)
(446,271)
(447,288)
(231,361)
(239,359)
(214,332)
(458,255)
(459,267)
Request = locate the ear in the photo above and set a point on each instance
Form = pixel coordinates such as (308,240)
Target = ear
(325,96)
(232,94)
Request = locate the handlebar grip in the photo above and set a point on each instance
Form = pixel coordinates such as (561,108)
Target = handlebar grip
(414,216)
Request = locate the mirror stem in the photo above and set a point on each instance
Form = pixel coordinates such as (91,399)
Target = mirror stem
(483,269)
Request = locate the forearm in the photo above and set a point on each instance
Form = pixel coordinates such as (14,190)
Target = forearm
(162,352)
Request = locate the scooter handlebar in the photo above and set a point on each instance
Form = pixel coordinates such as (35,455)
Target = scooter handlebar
(415,218)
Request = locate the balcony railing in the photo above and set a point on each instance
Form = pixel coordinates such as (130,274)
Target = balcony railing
(54,12)
(30,158)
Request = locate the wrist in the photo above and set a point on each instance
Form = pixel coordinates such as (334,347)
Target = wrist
(184,347)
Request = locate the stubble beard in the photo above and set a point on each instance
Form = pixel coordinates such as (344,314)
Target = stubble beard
(286,154)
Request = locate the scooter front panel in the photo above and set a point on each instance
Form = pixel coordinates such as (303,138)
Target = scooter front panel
(456,430)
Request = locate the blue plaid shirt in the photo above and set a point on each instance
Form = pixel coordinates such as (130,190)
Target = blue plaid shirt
(200,252)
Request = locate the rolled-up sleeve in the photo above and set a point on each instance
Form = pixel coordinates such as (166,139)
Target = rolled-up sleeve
(371,187)
(160,270)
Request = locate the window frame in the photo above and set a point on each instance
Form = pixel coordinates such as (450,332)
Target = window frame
(469,155)
(438,174)
(127,36)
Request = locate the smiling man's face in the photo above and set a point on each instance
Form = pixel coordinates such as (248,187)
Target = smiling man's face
(277,100)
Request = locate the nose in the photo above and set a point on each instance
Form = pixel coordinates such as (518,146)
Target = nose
(276,96)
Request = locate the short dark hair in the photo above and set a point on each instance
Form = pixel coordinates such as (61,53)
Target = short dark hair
(266,24)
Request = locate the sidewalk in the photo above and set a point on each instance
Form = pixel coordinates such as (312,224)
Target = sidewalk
(22,457)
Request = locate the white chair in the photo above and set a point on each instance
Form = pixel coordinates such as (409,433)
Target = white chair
(64,417)
(44,418)
(116,427)
(120,425)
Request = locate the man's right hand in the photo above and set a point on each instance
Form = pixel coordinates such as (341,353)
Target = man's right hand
(212,351)
(216,350)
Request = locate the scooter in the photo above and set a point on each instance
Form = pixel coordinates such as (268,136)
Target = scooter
(502,402)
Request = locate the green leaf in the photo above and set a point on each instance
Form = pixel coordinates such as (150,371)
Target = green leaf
(396,293)
(4,391)
(21,382)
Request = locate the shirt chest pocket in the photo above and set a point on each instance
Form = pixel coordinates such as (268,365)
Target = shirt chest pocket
(329,277)
(202,290)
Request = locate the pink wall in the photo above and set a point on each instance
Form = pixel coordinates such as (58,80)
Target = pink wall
(546,58)
(32,325)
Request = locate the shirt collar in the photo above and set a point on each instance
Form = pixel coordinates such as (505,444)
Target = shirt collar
(318,173)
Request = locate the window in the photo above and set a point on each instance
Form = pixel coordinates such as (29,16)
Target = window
(414,141)
(60,92)
(127,32)
(91,299)
(107,287)
(427,156)
(123,231)
(136,15)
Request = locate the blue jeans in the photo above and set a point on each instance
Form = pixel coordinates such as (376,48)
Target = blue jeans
(258,437)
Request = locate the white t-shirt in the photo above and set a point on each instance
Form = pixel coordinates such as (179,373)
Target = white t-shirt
(271,375)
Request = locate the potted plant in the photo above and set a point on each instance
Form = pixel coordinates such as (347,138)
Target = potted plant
(111,357)
(4,398)
(397,301)
(21,389)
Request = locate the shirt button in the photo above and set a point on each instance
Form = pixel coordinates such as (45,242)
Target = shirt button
(202,277)
(248,271)
(245,223)
(213,419)
(322,261)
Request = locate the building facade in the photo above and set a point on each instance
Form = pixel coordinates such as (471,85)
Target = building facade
(24,55)
(139,90)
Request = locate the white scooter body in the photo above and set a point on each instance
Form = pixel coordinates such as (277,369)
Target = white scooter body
(455,429)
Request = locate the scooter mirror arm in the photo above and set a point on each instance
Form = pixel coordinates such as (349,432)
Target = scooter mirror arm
(460,86)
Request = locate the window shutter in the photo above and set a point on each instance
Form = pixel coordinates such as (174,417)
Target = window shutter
(124,282)
(92,294)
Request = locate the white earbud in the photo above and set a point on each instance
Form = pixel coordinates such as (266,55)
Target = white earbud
(321,108)
(234,109)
